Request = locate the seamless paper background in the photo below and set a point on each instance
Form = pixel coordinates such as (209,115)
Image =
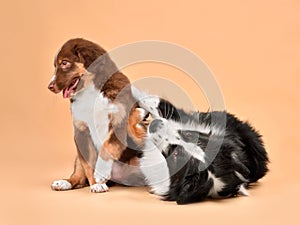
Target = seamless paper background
(253,49)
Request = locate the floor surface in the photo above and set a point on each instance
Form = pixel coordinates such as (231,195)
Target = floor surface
(253,49)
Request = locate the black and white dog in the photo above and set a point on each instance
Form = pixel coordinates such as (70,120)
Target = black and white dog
(191,156)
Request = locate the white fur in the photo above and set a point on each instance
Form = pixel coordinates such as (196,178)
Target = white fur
(146,101)
(168,134)
(150,103)
(92,108)
(61,185)
(143,112)
(103,170)
(98,188)
(53,77)
(155,169)
(218,185)
(243,190)
(138,94)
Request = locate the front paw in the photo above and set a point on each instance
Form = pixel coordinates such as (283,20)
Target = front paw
(103,169)
(99,188)
(101,177)
(61,185)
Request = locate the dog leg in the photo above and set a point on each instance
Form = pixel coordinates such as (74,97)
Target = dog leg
(110,151)
(76,180)
(87,153)
(115,144)
(155,169)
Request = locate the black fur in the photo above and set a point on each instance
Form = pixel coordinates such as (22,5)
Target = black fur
(241,151)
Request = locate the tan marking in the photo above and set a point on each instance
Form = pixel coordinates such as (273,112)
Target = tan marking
(80,125)
(88,169)
(135,130)
(86,151)
(112,148)
(89,164)
(85,76)
(78,178)
(80,68)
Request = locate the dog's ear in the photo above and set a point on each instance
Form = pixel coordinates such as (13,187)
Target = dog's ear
(88,54)
(77,52)
(84,56)
(168,111)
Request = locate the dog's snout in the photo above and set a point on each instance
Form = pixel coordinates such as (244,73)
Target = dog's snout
(52,87)
(155,124)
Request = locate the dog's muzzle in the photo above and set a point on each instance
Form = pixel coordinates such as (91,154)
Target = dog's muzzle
(52,87)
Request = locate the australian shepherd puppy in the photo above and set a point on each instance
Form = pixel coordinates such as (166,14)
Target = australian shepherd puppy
(189,157)
(103,112)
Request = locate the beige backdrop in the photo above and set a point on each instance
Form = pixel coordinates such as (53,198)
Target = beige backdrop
(253,49)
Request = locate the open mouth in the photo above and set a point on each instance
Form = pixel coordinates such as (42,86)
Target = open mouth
(70,90)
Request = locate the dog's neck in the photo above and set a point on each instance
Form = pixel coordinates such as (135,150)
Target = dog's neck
(86,86)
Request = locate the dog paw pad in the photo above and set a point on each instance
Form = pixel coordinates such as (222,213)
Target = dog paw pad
(98,188)
(61,185)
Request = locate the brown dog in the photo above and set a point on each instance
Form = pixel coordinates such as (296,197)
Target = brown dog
(103,111)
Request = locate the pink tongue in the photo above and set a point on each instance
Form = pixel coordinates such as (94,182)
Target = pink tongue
(66,93)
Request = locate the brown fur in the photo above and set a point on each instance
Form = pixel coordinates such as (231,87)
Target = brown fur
(86,151)
(79,58)
(78,177)
(135,128)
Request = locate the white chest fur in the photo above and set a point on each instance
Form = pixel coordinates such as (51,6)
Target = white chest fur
(92,108)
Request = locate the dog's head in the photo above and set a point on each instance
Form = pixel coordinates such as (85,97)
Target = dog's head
(71,64)
(173,130)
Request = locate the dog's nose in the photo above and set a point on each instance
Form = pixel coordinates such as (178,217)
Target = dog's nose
(154,125)
(51,87)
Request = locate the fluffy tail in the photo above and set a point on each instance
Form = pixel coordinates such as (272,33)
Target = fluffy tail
(254,149)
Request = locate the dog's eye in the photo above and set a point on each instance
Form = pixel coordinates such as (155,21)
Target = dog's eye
(65,64)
